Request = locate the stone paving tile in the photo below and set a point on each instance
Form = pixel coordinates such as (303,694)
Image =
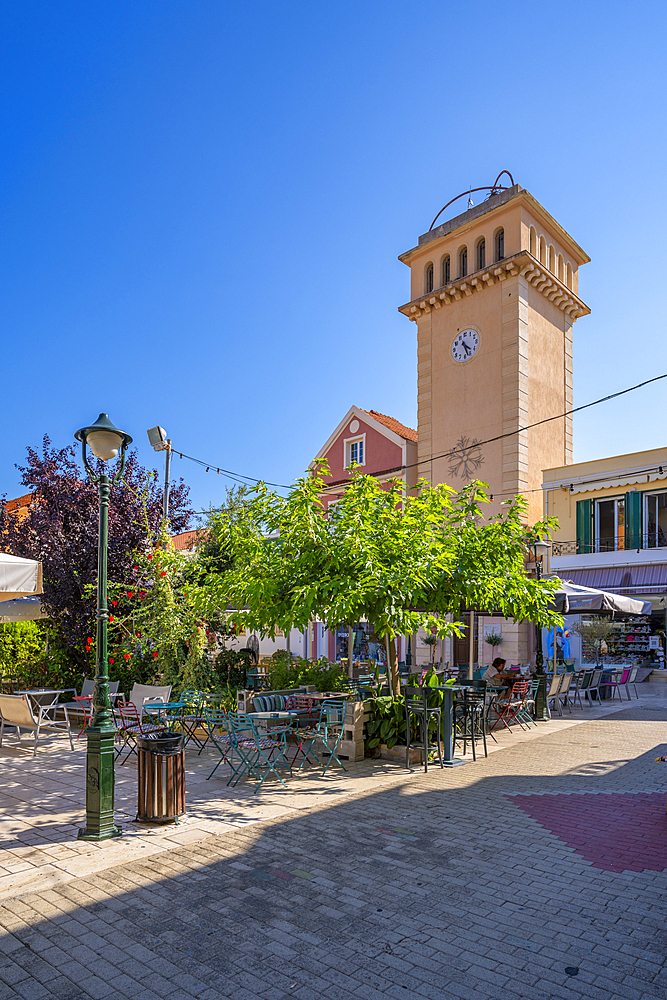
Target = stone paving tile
(436,886)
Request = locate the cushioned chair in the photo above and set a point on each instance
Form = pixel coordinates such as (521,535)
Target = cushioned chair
(16,711)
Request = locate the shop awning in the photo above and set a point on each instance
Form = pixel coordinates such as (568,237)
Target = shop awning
(630,580)
(571,598)
(19,577)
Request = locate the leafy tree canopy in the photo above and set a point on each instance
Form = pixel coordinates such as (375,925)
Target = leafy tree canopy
(61,528)
(400,561)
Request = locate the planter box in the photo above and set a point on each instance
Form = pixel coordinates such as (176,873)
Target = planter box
(397,754)
(351,749)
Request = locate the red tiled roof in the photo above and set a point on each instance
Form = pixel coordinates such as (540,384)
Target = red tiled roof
(186,539)
(18,503)
(394,425)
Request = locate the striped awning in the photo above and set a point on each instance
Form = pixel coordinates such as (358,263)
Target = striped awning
(630,580)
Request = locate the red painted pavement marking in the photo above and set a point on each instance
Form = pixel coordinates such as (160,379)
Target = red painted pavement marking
(616,832)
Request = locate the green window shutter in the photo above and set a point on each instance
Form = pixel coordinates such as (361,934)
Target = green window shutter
(584,526)
(633,520)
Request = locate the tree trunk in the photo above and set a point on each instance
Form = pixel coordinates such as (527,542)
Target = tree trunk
(392,666)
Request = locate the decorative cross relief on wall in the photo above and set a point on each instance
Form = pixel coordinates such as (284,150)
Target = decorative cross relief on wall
(465,457)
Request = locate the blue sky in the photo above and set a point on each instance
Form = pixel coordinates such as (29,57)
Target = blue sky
(202,203)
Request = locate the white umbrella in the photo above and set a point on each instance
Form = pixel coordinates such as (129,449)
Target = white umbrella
(19,577)
(573,599)
(23,609)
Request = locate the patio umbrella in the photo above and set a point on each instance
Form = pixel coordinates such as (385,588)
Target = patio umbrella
(23,609)
(19,577)
(572,599)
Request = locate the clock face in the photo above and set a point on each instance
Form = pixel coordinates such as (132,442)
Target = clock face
(465,345)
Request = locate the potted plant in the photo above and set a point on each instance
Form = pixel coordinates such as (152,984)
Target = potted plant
(494,639)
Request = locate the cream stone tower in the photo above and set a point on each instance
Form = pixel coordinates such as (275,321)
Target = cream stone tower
(494,295)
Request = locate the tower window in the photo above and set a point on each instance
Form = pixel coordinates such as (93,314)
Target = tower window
(481,255)
(543,250)
(428,278)
(446,270)
(568,275)
(463,262)
(500,244)
(560,266)
(552,264)
(532,241)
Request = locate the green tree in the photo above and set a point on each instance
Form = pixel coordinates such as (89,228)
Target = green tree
(400,561)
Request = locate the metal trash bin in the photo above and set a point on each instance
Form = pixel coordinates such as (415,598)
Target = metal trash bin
(161,777)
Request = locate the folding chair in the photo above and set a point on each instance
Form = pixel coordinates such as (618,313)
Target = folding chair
(326,735)
(582,680)
(632,679)
(513,706)
(255,752)
(130,727)
(85,705)
(192,717)
(217,727)
(594,687)
(563,696)
(528,704)
(552,693)
(16,711)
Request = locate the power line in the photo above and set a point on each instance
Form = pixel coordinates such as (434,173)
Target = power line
(245,480)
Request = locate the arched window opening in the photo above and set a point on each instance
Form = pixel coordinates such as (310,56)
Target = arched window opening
(568,275)
(532,241)
(446,270)
(480,262)
(500,244)
(428,278)
(463,262)
(560,267)
(552,260)
(543,250)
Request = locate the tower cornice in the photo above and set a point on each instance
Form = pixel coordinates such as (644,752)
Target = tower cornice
(523,264)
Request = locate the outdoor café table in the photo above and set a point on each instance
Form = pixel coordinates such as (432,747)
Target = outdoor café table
(263,717)
(158,707)
(44,697)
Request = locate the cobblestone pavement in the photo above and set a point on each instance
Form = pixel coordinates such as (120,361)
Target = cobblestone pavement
(476,883)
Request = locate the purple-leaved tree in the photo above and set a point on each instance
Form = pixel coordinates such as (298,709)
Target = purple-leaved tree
(60,528)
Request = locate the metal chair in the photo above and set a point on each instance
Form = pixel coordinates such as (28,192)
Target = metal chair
(326,735)
(257,754)
(632,679)
(594,687)
(130,727)
(528,704)
(563,696)
(16,711)
(416,703)
(470,712)
(582,681)
(511,709)
(552,694)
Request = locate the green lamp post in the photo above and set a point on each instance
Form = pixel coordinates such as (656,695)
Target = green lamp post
(105,441)
(540,547)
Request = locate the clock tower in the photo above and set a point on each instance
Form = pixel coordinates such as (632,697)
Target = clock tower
(494,296)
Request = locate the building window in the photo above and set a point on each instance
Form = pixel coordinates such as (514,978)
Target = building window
(610,525)
(446,270)
(560,267)
(463,262)
(568,275)
(543,250)
(428,278)
(500,244)
(532,241)
(355,452)
(552,260)
(655,520)
(481,255)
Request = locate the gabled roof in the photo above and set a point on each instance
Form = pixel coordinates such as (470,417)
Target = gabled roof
(388,426)
(393,425)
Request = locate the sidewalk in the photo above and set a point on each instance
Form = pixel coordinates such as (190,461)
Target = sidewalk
(486,880)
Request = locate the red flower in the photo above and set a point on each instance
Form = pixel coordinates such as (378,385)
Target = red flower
(110,618)
(136,569)
(126,656)
(89,639)
(142,594)
(111,661)
(155,656)
(130,594)
(149,557)
(114,603)
(163,573)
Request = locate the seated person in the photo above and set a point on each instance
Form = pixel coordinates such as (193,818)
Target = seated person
(492,673)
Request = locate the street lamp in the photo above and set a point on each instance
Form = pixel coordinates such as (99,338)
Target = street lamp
(540,548)
(105,441)
(160,442)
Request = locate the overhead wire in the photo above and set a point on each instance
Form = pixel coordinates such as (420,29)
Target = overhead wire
(246,480)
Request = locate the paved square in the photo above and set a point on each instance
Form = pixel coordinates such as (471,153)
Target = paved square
(379,883)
